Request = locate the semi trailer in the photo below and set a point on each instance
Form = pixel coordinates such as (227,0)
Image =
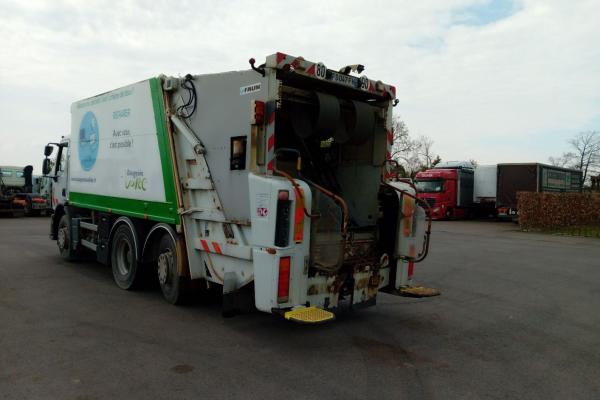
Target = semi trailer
(459,189)
(273,181)
(531,177)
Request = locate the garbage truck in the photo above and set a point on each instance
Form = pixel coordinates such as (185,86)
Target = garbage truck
(274,181)
(17,192)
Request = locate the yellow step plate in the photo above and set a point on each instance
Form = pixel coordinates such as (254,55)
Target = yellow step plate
(418,291)
(309,315)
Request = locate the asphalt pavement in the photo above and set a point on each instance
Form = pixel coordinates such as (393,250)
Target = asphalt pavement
(518,318)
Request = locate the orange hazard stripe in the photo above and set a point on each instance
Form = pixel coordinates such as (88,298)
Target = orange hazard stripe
(217,247)
(271,142)
(204,245)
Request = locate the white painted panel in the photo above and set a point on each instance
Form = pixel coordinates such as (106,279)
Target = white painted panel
(114,147)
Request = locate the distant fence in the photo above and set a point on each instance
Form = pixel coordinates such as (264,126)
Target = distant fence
(558,210)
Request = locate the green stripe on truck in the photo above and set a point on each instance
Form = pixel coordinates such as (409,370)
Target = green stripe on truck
(152,210)
(164,144)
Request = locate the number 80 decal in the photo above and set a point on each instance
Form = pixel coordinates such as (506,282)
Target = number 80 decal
(321,71)
(364,83)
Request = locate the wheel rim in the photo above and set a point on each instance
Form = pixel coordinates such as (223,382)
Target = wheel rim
(165,265)
(62,238)
(124,257)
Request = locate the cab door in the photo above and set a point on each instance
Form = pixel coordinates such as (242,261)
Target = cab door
(60,186)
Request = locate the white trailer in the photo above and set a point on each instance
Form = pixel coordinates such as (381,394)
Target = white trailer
(271,180)
(484,184)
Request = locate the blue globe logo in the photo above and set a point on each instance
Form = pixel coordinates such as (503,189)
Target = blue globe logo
(88,141)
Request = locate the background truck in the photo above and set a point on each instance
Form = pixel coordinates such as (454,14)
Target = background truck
(458,189)
(531,177)
(269,181)
(17,196)
(447,188)
(42,185)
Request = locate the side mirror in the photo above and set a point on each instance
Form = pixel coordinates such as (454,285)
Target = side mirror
(48,150)
(46,166)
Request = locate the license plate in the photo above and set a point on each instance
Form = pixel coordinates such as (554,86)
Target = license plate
(343,79)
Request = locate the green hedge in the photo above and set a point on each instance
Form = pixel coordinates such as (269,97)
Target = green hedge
(558,210)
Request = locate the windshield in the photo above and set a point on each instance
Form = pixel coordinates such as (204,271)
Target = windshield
(432,186)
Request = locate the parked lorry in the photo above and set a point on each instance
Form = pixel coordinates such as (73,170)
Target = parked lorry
(531,177)
(447,188)
(493,187)
(17,196)
(273,181)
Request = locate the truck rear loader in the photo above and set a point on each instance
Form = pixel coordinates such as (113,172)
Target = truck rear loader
(272,181)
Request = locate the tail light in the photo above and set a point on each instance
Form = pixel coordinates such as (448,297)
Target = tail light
(299,216)
(283,286)
(282,221)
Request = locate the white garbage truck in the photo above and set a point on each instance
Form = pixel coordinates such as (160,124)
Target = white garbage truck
(275,181)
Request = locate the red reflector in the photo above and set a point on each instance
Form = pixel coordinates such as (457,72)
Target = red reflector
(283,195)
(283,287)
(258,112)
(299,217)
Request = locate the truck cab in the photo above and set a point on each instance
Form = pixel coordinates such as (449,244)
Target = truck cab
(448,189)
(55,173)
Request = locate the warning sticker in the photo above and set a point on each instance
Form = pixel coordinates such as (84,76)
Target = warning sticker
(262,204)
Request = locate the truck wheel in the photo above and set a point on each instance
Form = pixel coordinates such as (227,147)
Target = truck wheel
(124,259)
(63,239)
(175,288)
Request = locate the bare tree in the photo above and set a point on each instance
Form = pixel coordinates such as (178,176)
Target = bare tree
(413,155)
(402,142)
(424,145)
(564,161)
(584,155)
(586,148)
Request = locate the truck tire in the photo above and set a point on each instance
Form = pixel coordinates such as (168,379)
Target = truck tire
(175,288)
(63,239)
(123,257)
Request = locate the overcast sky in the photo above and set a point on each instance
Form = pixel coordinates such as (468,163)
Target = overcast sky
(494,81)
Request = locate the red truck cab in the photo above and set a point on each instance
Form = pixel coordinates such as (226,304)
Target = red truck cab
(447,189)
